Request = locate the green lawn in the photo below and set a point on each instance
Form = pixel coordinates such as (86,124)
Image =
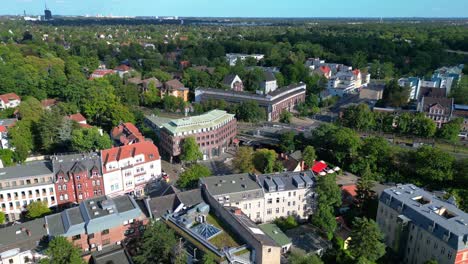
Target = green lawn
(225,239)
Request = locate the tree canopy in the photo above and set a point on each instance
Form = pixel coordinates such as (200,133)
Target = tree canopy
(190,150)
(61,251)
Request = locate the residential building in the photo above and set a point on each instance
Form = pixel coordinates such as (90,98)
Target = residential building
(122,70)
(111,255)
(127,169)
(49,103)
(234,82)
(315,63)
(293,162)
(143,85)
(5,125)
(21,185)
(324,71)
(438,109)
(420,227)
(214,132)
(278,236)
(268,84)
(264,198)
(432,92)
(21,243)
(461,111)
(126,134)
(175,88)
(413,83)
(172,202)
(374,91)
(80,119)
(100,73)
(9,100)
(77,177)
(274,103)
(99,222)
(233,57)
(347,82)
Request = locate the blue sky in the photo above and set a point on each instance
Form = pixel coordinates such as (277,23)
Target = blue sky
(244,8)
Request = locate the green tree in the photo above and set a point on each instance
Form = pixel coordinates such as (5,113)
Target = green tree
(285,117)
(208,258)
(359,117)
(89,139)
(286,223)
(151,97)
(2,218)
(190,150)
(21,138)
(432,261)
(450,130)
(173,104)
(264,160)
(309,156)
(287,143)
(243,160)
(329,196)
(423,126)
(364,192)
(30,109)
(157,244)
(359,60)
(48,128)
(432,165)
(37,209)
(61,251)
(395,95)
(189,178)
(250,111)
(6,156)
(366,240)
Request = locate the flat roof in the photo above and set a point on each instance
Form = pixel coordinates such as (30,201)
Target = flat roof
(209,119)
(276,234)
(32,169)
(426,210)
(235,183)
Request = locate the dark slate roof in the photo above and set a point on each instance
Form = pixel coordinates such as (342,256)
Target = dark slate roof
(269,76)
(446,103)
(287,178)
(432,92)
(235,183)
(425,215)
(76,163)
(159,206)
(228,79)
(111,255)
(25,236)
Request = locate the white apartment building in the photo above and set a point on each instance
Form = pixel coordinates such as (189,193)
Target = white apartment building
(264,198)
(233,57)
(420,227)
(21,185)
(346,82)
(9,100)
(127,169)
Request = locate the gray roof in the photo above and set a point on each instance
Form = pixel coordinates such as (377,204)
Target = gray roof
(228,79)
(112,255)
(8,122)
(158,121)
(209,119)
(159,206)
(76,163)
(93,215)
(27,170)
(229,184)
(287,178)
(427,215)
(269,76)
(16,236)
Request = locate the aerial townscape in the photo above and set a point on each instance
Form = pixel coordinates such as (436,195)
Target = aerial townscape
(262,137)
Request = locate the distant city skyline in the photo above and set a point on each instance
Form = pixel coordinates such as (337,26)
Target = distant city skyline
(241,8)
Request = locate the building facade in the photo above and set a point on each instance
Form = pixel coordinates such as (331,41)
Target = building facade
(438,109)
(21,185)
(77,177)
(9,100)
(126,134)
(214,132)
(264,198)
(420,227)
(274,103)
(127,169)
(97,223)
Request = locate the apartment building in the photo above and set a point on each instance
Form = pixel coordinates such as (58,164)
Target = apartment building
(347,82)
(214,132)
(274,103)
(77,177)
(98,222)
(127,169)
(21,185)
(232,58)
(264,198)
(421,227)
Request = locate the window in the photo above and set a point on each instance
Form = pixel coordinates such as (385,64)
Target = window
(269,211)
(105,232)
(277,210)
(269,250)
(91,236)
(10,261)
(289,194)
(59,187)
(277,200)
(79,186)
(94,183)
(64,187)
(61,197)
(51,189)
(106,242)
(66,196)
(76,237)
(270,201)
(77,177)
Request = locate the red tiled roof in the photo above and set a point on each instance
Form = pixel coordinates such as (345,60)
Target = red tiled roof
(86,126)
(349,189)
(48,102)
(123,68)
(9,96)
(3,129)
(356,72)
(319,166)
(174,84)
(77,117)
(101,73)
(325,69)
(146,148)
(127,132)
